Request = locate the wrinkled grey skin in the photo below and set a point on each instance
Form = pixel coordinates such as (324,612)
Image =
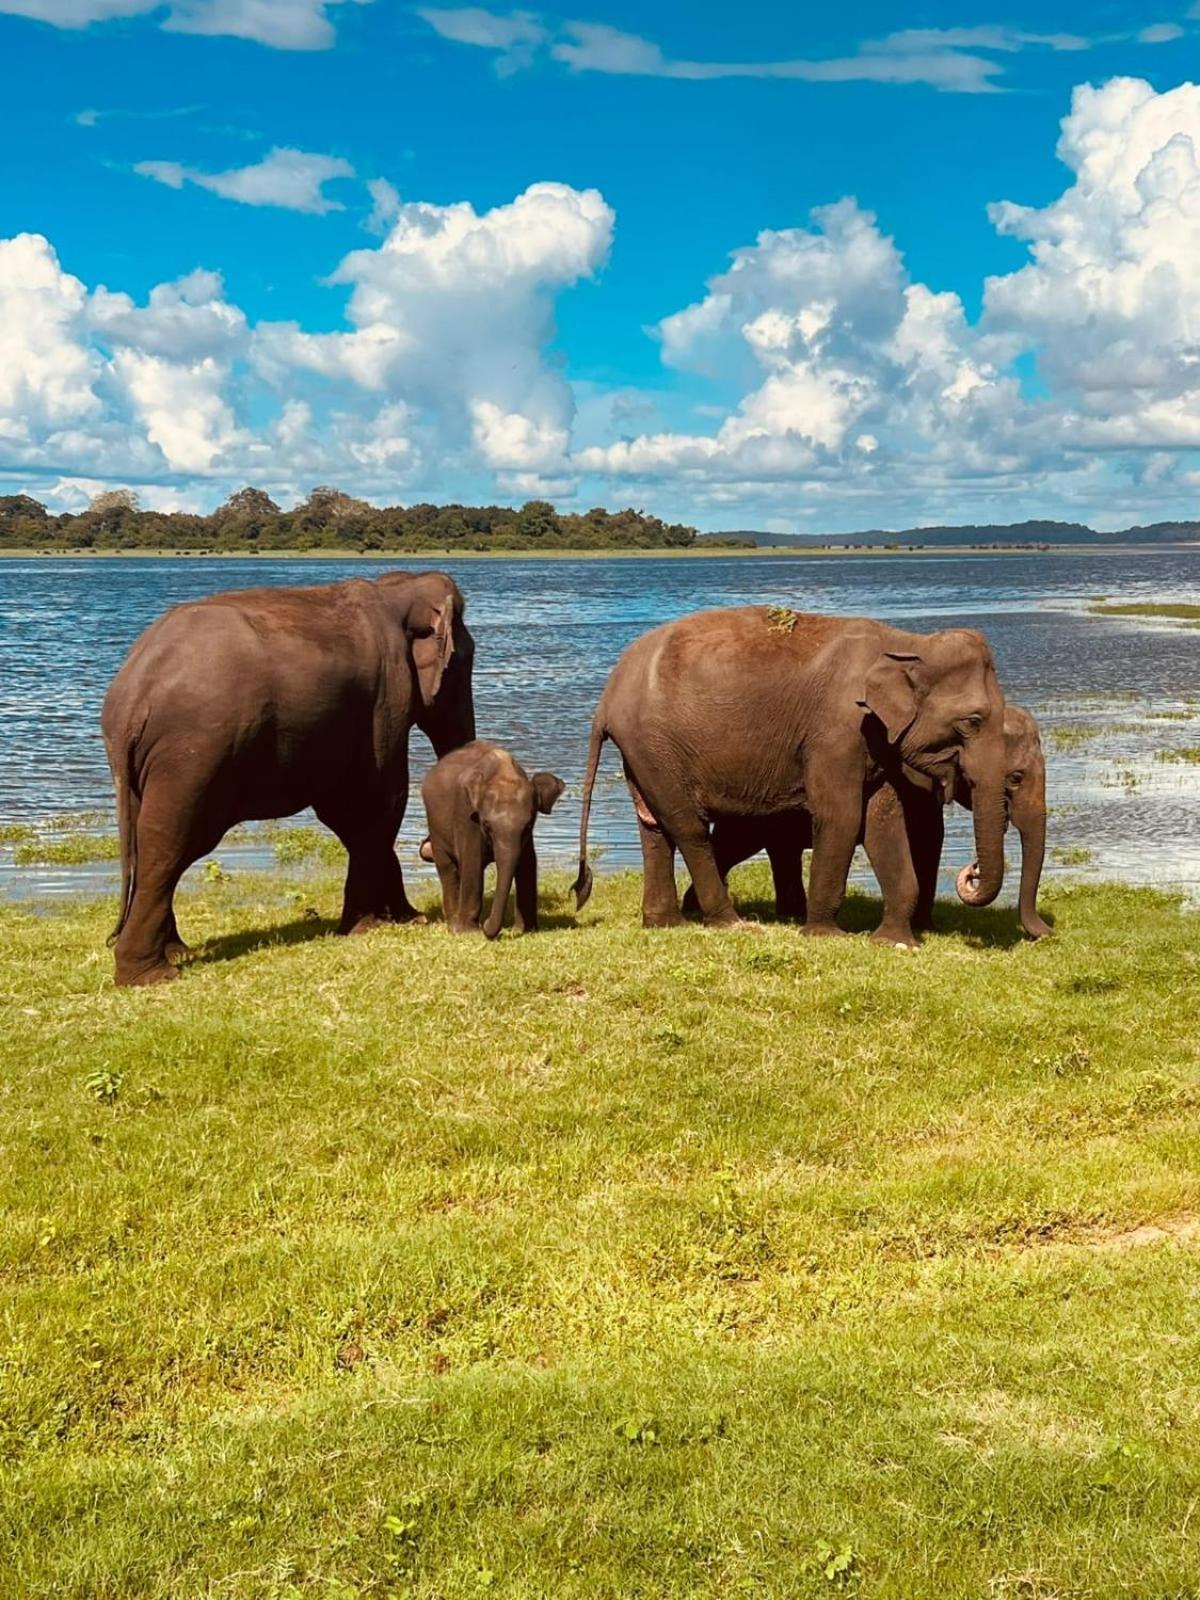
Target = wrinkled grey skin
(260,702)
(903,835)
(481,806)
(753,712)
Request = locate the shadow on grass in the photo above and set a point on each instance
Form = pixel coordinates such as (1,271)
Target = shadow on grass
(229,946)
(990,927)
(302,930)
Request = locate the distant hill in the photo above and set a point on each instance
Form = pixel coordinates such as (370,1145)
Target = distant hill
(969,534)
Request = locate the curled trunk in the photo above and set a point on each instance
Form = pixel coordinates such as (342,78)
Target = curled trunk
(982,881)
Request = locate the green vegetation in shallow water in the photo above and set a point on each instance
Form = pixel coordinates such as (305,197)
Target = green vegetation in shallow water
(1071,735)
(1173,611)
(1071,855)
(293,845)
(1190,754)
(605,1264)
(68,850)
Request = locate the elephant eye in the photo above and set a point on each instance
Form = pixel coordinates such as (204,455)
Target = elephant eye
(971,724)
(1014,779)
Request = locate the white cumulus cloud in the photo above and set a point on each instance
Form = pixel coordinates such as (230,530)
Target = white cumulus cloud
(282,24)
(442,365)
(292,179)
(1110,301)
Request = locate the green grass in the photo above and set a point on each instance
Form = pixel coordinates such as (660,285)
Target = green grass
(1188,753)
(602,1263)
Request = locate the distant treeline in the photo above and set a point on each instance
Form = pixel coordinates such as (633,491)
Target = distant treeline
(329,520)
(1025,535)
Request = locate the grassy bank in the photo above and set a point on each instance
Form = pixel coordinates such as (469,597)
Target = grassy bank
(601,1263)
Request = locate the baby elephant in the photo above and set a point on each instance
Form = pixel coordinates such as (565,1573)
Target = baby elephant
(481,805)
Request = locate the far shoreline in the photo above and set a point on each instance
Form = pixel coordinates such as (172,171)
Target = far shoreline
(616,553)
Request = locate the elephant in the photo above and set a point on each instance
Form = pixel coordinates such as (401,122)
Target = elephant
(756,710)
(903,834)
(259,702)
(481,806)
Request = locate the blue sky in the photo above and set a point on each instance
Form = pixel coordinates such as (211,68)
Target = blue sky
(461,252)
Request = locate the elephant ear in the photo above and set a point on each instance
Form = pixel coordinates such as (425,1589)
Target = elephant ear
(431,629)
(891,692)
(547,788)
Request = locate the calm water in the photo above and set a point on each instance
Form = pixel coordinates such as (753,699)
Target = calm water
(1111,693)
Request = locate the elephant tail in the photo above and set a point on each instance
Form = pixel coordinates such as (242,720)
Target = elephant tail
(129,803)
(582,887)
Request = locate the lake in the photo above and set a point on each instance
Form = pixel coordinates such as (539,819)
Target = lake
(1114,695)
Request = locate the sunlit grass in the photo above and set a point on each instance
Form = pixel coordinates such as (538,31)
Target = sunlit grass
(600,1263)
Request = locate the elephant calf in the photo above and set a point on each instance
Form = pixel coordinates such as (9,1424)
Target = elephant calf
(481,805)
(902,832)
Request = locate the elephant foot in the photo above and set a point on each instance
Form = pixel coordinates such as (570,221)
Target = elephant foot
(726,919)
(177,952)
(661,919)
(823,930)
(466,927)
(897,934)
(142,977)
(1036,928)
(407,913)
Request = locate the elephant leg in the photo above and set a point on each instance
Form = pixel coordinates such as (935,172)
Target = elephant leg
(447,871)
(696,848)
(734,840)
(660,898)
(525,917)
(175,949)
(170,836)
(926,833)
(787,839)
(470,865)
(374,890)
(837,815)
(885,837)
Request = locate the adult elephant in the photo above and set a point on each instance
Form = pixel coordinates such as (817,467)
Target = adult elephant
(903,834)
(758,710)
(260,702)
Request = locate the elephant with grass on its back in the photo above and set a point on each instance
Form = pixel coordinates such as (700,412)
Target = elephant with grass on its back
(758,710)
(260,702)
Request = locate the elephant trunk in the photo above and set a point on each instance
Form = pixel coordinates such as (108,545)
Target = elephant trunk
(1029,815)
(506,869)
(982,881)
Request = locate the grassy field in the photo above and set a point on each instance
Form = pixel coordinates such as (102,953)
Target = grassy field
(601,1263)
